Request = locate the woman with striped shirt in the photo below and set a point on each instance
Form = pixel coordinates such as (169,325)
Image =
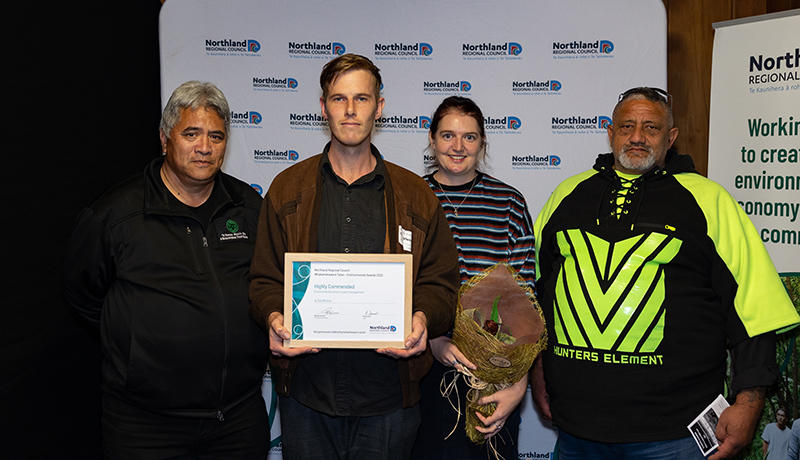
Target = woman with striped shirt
(490,224)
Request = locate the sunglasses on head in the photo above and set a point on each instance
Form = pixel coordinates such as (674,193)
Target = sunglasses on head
(650,93)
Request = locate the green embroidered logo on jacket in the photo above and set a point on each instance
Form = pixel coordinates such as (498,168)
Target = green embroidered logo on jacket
(609,296)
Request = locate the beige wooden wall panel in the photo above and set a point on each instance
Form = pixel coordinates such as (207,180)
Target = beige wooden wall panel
(689,49)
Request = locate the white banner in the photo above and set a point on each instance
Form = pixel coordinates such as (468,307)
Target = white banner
(546,75)
(755,128)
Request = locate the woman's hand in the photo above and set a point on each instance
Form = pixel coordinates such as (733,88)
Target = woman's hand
(448,354)
(507,400)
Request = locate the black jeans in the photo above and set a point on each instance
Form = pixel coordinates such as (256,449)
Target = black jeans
(310,435)
(133,433)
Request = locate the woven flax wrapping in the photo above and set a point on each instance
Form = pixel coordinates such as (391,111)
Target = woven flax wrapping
(520,313)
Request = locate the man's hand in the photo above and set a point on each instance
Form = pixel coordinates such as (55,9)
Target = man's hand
(538,391)
(278,333)
(738,422)
(507,400)
(448,354)
(415,342)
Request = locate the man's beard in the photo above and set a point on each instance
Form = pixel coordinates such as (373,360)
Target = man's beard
(636,163)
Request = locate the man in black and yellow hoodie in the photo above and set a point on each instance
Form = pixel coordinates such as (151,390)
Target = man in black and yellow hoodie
(648,273)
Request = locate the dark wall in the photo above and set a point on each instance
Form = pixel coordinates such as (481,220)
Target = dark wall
(83,81)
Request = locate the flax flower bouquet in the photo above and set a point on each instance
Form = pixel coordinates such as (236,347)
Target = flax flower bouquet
(500,328)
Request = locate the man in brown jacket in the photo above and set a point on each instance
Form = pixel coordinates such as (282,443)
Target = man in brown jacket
(353,403)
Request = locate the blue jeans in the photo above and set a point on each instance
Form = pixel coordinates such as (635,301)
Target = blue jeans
(571,448)
(310,435)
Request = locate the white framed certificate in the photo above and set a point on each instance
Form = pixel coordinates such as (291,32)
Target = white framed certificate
(347,300)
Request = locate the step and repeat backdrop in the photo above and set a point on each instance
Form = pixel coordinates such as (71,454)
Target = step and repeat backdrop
(546,75)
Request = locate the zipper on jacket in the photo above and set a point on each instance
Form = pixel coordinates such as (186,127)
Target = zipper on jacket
(198,268)
(214,275)
(220,417)
(657,226)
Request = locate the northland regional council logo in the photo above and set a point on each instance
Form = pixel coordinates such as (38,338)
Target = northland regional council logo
(443,87)
(505,125)
(382,329)
(536,87)
(531,455)
(403,51)
(307,121)
(275,156)
(314,50)
(232,47)
(778,72)
(535,162)
(580,125)
(418,124)
(275,84)
(249,119)
(583,50)
(491,51)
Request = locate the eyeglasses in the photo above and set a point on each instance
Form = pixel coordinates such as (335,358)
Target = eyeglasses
(654,94)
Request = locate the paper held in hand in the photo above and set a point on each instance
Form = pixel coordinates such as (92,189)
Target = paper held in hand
(705,425)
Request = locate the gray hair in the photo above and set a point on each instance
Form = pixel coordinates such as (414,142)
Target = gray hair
(194,94)
(655,95)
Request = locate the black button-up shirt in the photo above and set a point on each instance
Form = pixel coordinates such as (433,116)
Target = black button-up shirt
(350,382)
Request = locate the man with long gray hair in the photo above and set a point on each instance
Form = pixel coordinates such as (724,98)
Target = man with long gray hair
(161,263)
